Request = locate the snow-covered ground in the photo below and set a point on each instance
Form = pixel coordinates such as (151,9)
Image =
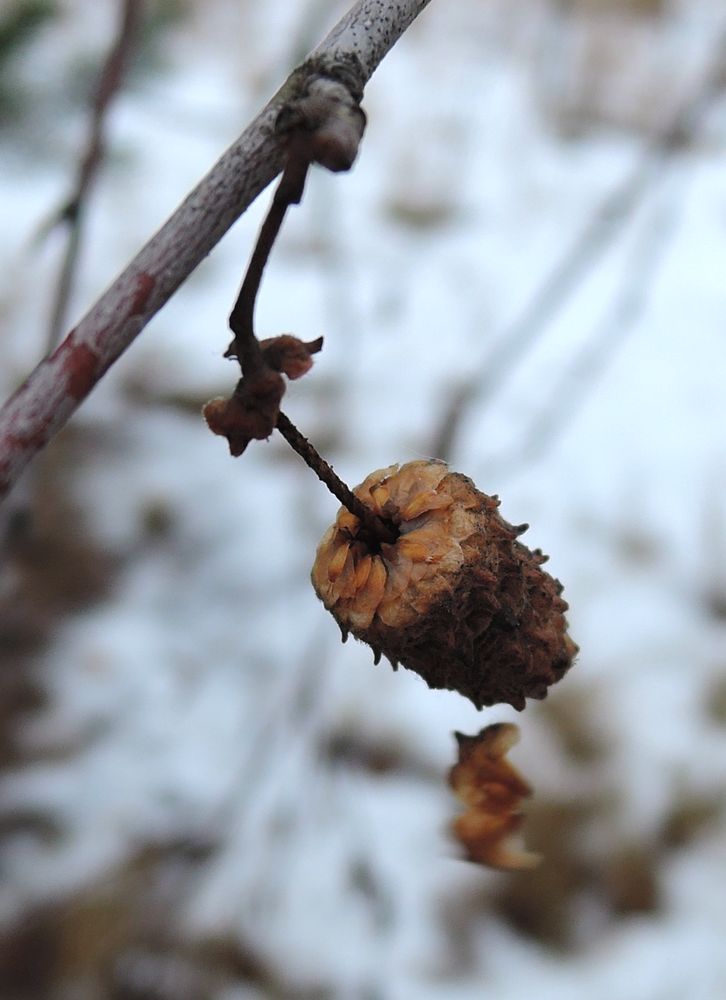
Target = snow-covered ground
(219,800)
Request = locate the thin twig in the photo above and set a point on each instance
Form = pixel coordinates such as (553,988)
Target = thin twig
(241,321)
(377,528)
(53,392)
(73,211)
(246,347)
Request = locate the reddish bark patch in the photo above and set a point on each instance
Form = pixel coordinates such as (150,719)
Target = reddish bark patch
(14,443)
(80,365)
(17,447)
(34,439)
(145,285)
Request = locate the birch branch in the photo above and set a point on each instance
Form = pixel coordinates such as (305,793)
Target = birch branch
(54,390)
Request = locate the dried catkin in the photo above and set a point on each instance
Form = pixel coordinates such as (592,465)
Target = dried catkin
(455,597)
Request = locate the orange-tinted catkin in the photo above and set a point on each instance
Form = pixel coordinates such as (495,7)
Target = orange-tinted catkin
(456,597)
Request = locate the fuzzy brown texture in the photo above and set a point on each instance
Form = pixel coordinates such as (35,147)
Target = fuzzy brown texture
(250,414)
(456,597)
(289,355)
(492,791)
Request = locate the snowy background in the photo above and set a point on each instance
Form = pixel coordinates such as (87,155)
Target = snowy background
(203,794)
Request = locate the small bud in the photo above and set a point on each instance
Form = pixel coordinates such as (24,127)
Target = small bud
(335,146)
(289,355)
(332,118)
(250,414)
(455,597)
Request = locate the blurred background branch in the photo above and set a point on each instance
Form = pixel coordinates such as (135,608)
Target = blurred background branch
(54,390)
(72,212)
(574,263)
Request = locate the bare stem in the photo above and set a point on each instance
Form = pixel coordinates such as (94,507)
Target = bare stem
(245,346)
(376,527)
(56,388)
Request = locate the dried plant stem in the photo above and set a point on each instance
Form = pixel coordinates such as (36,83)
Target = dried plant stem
(303,146)
(52,393)
(246,347)
(289,191)
(376,527)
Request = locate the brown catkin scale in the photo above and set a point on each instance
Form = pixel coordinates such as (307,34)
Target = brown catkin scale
(456,597)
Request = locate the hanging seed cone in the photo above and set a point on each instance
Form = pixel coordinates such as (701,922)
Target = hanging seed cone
(456,597)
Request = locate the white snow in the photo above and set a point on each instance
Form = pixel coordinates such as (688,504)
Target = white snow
(198,695)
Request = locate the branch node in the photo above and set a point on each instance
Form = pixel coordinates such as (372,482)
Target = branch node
(251,412)
(327,112)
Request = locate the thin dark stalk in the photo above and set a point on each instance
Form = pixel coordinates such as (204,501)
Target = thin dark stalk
(376,527)
(246,347)
(289,191)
